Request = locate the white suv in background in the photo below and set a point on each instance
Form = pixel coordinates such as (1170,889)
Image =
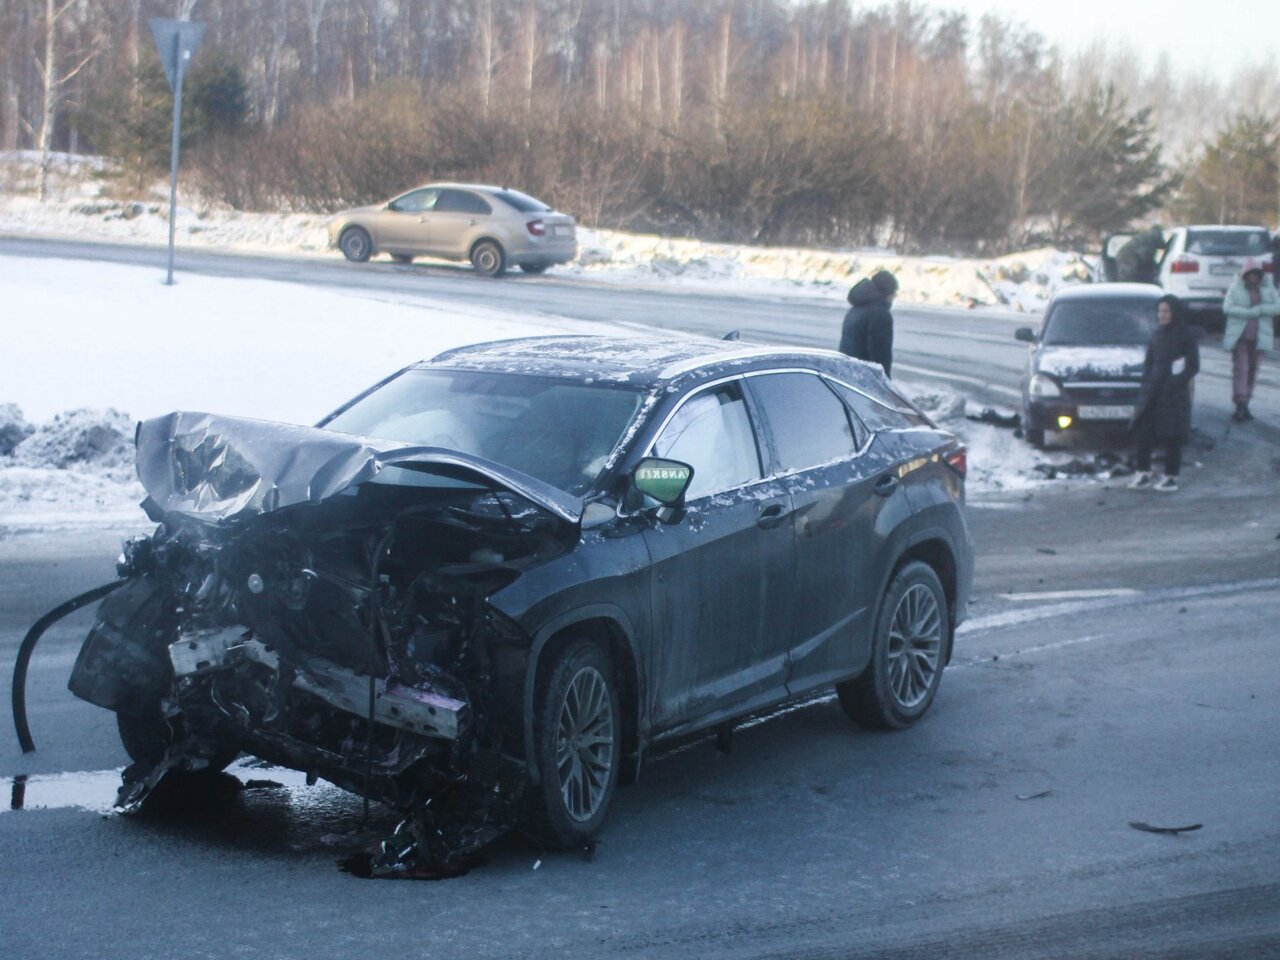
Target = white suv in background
(1200,262)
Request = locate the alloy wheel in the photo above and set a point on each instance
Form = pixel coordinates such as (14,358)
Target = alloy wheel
(585,743)
(915,646)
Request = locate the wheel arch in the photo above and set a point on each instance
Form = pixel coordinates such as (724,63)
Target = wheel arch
(492,238)
(369,232)
(934,550)
(611,628)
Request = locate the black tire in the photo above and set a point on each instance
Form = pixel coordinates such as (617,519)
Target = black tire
(147,736)
(489,259)
(577,784)
(535,268)
(402,257)
(356,244)
(908,653)
(1035,437)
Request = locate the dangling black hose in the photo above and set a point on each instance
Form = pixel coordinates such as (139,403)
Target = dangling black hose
(29,644)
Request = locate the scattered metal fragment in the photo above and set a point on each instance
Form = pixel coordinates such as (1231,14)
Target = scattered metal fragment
(995,418)
(1034,796)
(1049,551)
(1148,828)
(18,798)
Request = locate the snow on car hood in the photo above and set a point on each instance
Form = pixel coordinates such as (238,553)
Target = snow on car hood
(1091,363)
(218,468)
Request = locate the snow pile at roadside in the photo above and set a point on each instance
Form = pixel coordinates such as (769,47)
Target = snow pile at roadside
(78,208)
(1023,281)
(999,460)
(102,438)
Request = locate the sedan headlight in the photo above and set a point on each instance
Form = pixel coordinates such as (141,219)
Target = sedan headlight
(1043,386)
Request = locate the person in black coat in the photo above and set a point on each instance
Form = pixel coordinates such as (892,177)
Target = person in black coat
(1162,414)
(868,326)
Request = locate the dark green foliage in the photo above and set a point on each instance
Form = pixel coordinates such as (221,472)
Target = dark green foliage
(1236,178)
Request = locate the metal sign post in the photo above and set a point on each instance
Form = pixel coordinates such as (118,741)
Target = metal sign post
(176,42)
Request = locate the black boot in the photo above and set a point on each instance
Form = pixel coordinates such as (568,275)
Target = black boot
(1244,410)
(1239,415)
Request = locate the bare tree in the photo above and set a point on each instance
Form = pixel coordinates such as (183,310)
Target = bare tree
(53,80)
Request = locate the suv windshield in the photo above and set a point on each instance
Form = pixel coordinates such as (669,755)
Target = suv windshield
(559,431)
(1228,243)
(1099,321)
(521,201)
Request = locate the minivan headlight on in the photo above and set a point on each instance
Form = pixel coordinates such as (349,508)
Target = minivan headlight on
(1043,386)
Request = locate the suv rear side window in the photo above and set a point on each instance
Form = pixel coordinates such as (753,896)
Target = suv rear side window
(876,416)
(461,201)
(810,425)
(1228,243)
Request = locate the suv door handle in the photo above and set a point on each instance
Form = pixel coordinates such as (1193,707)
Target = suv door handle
(771,516)
(886,485)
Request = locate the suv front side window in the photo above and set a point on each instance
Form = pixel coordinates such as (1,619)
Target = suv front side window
(712,432)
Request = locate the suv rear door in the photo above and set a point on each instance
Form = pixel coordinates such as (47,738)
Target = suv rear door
(837,499)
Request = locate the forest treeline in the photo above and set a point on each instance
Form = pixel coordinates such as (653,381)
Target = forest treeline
(747,120)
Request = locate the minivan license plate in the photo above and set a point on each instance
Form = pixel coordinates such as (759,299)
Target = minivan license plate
(1105,413)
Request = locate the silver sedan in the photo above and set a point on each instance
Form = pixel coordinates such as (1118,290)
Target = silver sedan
(493,227)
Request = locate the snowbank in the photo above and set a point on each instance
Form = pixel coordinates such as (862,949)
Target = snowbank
(1021,282)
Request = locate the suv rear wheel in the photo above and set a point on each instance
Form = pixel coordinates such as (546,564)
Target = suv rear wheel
(907,654)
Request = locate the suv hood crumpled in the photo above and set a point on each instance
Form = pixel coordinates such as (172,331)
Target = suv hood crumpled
(218,468)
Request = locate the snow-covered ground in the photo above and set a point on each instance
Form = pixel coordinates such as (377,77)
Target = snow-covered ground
(103,344)
(79,208)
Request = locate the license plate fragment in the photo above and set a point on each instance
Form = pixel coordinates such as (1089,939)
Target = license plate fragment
(1110,412)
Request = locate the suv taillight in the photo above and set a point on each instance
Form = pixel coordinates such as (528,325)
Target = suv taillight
(537,228)
(958,460)
(1185,265)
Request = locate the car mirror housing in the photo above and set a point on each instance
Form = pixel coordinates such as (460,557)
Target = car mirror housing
(664,480)
(1025,334)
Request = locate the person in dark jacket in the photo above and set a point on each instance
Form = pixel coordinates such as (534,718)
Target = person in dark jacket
(1136,261)
(868,326)
(1162,413)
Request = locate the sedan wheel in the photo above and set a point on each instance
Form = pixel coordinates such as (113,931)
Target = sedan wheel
(907,656)
(488,259)
(577,731)
(356,244)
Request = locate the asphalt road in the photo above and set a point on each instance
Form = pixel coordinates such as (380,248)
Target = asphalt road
(1120,655)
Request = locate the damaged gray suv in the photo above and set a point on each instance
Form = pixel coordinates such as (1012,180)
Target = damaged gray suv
(480,591)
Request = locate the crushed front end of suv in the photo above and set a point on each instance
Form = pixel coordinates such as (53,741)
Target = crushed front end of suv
(483,589)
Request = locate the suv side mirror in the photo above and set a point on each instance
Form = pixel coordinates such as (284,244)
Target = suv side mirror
(1025,334)
(664,480)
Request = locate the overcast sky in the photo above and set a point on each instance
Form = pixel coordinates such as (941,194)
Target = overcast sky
(1215,35)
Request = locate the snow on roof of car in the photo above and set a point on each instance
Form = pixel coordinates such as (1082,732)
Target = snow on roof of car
(622,359)
(1095,291)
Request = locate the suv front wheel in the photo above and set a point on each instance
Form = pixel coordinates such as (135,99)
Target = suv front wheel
(577,744)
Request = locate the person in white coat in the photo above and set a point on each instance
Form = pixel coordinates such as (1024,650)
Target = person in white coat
(1251,307)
